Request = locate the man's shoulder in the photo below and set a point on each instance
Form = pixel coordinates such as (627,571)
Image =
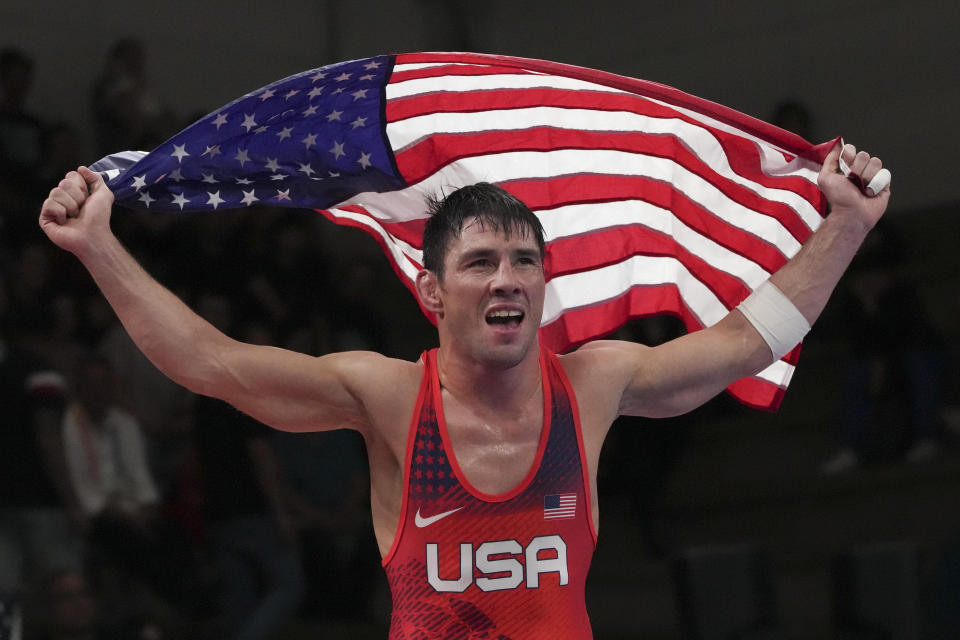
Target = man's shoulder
(375,374)
(598,356)
(376,364)
(388,389)
(600,370)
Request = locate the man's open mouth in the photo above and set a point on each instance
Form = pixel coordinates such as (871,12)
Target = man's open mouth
(505,318)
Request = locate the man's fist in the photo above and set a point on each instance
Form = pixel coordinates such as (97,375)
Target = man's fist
(77,210)
(849,180)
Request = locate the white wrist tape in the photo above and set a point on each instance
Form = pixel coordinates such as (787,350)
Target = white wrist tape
(777,320)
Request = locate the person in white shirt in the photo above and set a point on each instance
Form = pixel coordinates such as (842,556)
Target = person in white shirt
(105,449)
(108,466)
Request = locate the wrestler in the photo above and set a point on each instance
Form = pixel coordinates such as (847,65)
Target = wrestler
(483,455)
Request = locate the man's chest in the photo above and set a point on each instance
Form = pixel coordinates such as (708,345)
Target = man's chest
(493,451)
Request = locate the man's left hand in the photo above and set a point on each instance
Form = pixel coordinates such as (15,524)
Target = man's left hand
(843,194)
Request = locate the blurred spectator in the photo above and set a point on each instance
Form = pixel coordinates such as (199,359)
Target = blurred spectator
(108,467)
(31,287)
(290,272)
(105,448)
(63,608)
(891,394)
(127,113)
(328,473)
(20,141)
(162,407)
(60,343)
(252,530)
(793,116)
(20,131)
(11,616)
(61,153)
(641,453)
(37,504)
(356,322)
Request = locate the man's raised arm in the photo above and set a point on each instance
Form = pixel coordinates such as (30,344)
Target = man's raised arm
(682,374)
(281,388)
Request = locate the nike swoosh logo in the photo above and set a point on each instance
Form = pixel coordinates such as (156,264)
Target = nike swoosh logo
(426,522)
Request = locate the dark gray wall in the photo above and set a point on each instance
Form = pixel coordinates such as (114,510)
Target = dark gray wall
(882,73)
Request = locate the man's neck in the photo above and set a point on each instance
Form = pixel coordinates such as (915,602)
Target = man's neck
(472,381)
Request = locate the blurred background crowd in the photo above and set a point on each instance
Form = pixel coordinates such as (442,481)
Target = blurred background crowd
(130,508)
(173,512)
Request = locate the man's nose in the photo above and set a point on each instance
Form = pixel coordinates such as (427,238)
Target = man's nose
(506,280)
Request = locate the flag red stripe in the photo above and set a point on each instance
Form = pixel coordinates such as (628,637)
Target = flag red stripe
(410,231)
(430,155)
(577,326)
(449,70)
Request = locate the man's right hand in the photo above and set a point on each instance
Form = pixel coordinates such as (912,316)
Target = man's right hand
(77,210)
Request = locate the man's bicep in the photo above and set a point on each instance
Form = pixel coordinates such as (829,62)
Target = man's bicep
(293,391)
(682,374)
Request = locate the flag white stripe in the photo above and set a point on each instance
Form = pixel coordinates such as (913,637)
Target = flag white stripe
(779,373)
(494,82)
(414,66)
(404,133)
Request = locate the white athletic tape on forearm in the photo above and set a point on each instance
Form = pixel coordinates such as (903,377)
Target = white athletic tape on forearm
(775,318)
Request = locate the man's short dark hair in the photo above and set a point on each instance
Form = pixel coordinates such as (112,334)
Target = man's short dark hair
(493,208)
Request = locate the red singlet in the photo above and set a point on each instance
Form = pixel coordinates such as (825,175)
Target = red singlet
(465,564)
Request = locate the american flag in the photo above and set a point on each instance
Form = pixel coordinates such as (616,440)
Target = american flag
(559,506)
(654,201)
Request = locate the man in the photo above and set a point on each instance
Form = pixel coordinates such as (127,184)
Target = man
(107,461)
(510,436)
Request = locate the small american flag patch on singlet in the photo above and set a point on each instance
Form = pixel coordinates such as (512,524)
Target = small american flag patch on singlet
(563,505)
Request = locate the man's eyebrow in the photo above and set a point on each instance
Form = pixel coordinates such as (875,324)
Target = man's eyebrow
(487,252)
(526,253)
(480,252)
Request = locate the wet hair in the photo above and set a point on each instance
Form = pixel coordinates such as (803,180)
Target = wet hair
(491,206)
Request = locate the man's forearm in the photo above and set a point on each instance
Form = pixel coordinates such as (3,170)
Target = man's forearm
(175,339)
(811,276)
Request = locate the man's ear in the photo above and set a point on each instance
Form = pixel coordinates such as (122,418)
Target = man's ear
(428,290)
